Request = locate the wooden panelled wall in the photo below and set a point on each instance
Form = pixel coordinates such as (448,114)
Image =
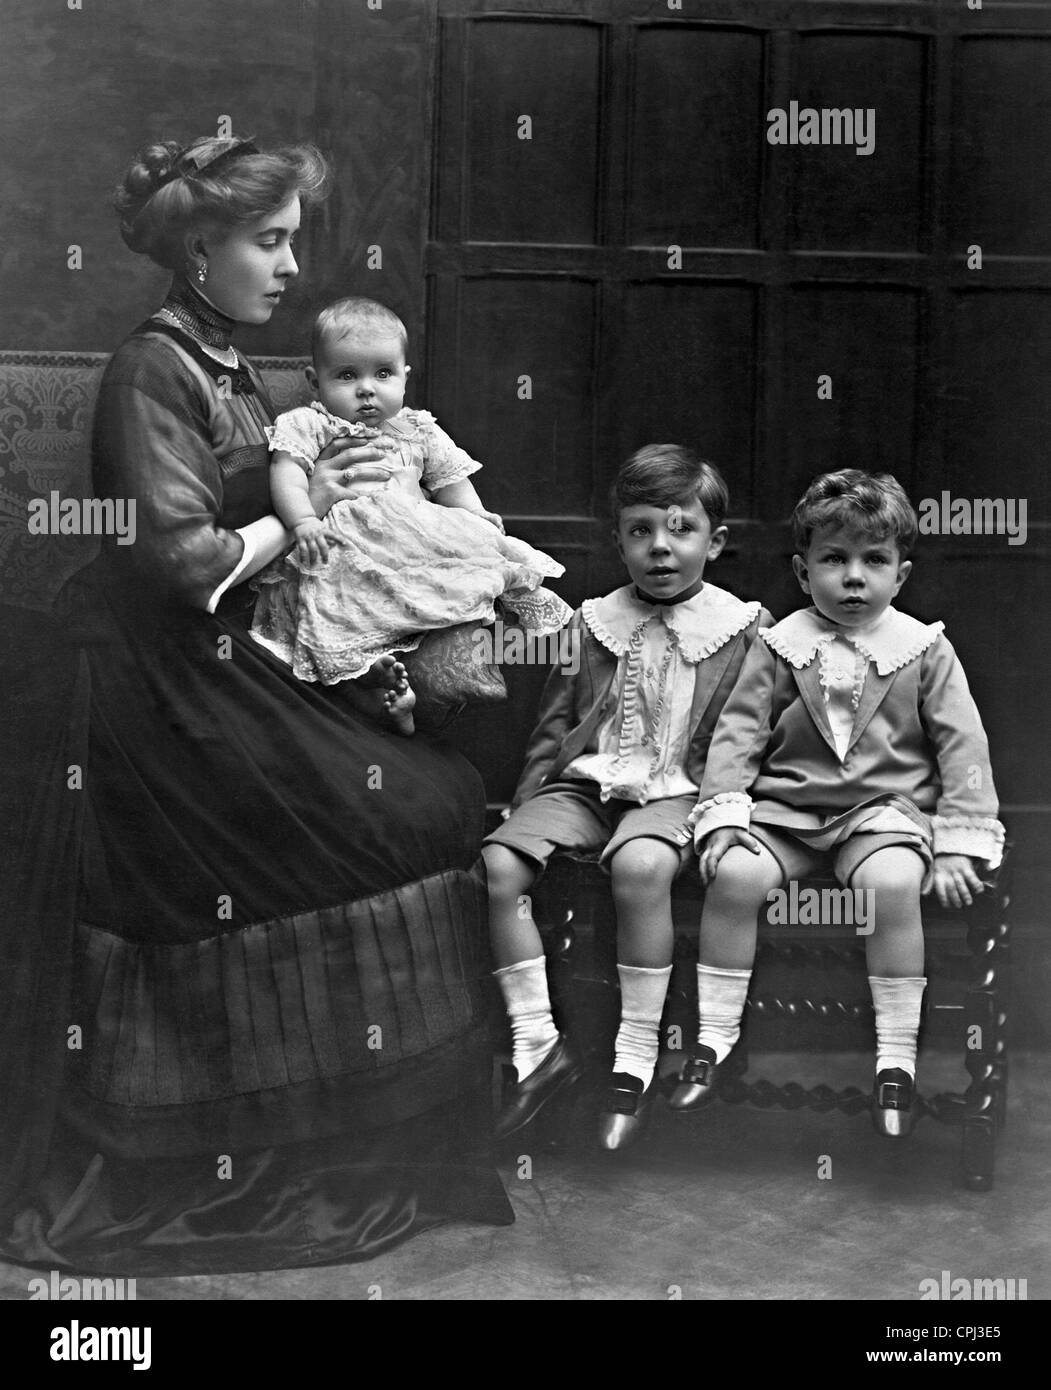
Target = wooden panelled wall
(549,258)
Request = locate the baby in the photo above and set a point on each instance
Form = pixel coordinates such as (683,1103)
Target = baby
(851,739)
(416,554)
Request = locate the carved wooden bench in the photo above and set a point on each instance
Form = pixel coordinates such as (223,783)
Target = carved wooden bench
(809,979)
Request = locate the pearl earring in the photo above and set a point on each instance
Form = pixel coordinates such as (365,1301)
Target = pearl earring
(202,272)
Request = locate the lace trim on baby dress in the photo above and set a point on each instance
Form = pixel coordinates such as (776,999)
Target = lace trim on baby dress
(446,463)
(306,430)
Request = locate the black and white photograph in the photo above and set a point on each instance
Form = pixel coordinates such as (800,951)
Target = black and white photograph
(524,564)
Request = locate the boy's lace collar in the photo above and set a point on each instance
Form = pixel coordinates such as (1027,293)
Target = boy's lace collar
(890,643)
(404,424)
(702,624)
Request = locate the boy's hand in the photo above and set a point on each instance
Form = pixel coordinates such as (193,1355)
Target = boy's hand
(494,519)
(955,880)
(716,845)
(311,541)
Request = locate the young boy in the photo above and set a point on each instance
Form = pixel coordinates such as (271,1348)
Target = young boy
(614,764)
(852,735)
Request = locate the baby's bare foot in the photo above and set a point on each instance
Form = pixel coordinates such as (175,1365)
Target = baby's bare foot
(382,674)
(384,693)
(400,704)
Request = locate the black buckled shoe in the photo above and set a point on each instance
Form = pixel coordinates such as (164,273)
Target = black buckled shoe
(697,1080)
(559,1069)
(893,1103)
(625,1111)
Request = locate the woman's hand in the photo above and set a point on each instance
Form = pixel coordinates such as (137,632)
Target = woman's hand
(716,845)
(349,467)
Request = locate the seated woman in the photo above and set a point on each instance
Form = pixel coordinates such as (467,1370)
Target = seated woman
(241,956)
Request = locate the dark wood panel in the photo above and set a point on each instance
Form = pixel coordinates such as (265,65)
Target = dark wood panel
(997,405)
(537,449)
(843,200)
(794,14)
(542,188)
(681,369)
(866,341)
(986,594)
(1002,103)
(762,267)
(695,159)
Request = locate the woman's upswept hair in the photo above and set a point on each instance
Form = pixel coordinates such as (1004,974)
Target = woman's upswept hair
(661,475)
(873,504)
(212,184)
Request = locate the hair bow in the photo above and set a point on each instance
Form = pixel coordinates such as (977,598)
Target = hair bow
(190,162)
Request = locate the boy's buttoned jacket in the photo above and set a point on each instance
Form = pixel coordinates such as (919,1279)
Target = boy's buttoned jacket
(916,734)
(574,704)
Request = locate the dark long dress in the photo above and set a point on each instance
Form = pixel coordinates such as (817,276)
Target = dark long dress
(262,912)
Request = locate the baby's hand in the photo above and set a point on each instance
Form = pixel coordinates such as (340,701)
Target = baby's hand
(955,879)
(494,519)
(311,541)
(717,843)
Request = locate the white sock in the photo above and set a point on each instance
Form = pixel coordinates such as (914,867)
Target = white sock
(533,1031)
(642,994)
(897,1005)
(721,995)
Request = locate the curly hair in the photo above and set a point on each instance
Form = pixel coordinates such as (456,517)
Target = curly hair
(170,190)
(873,504)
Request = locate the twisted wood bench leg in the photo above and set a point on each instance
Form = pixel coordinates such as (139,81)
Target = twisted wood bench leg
(980,1111)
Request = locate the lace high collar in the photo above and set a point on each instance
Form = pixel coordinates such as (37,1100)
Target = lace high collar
(702,624)
(197,316)
(891,642)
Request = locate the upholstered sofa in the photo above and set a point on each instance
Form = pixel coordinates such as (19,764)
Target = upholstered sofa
(46,405)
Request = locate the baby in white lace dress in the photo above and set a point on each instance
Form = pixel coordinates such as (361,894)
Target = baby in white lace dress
(416,554)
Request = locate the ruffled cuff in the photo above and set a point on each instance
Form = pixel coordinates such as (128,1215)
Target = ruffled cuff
(980,837)
(726,808)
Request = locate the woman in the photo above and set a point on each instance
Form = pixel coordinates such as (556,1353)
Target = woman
(245,1010)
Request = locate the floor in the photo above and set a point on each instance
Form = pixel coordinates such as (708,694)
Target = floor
(724,1204)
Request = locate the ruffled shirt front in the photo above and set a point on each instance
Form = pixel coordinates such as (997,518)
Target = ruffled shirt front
(412,437)
(643,741)
(844,656)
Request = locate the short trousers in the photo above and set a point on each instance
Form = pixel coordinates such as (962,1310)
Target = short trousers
(569,815)
(799,860)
